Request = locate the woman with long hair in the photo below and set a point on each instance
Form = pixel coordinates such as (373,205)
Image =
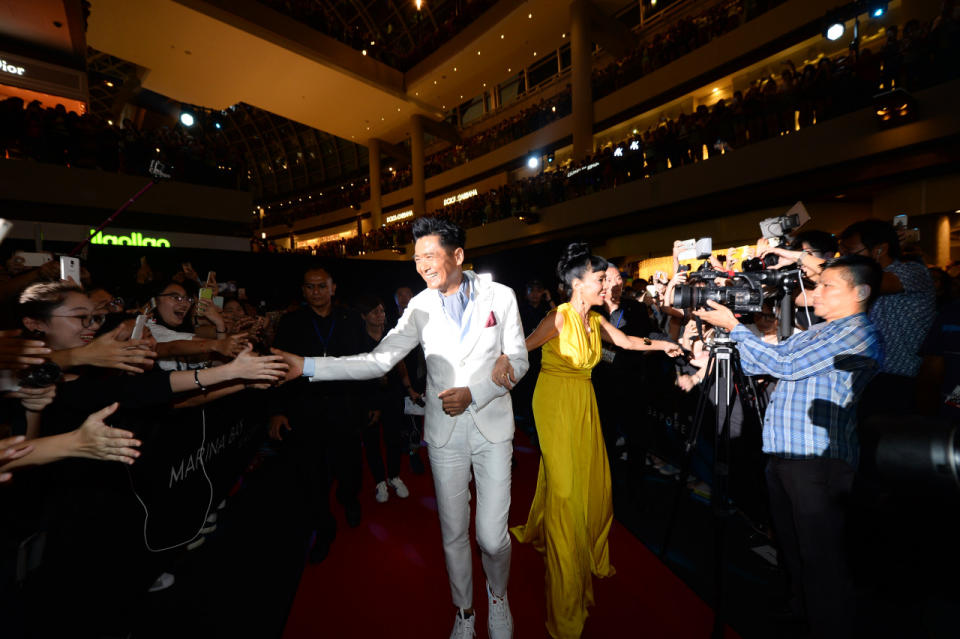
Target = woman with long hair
(572,509)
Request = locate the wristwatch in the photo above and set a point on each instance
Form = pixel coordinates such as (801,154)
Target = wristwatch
(647,341)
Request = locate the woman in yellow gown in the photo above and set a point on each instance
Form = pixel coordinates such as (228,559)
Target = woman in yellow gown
(572,509)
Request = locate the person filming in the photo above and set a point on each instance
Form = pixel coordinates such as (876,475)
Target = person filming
(809,432)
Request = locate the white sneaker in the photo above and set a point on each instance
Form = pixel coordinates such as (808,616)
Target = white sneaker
(499,619)
(399,487)
(463,628)
(382,494)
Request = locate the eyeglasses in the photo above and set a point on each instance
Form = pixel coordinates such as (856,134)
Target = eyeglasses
(87,320)
(177,299)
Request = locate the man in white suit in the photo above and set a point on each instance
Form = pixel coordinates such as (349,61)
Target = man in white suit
(464,321)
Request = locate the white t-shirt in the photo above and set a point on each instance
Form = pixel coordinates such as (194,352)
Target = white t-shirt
(181,362)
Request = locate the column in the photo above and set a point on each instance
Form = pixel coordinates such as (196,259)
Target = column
(580,71)
(376,203)
(416,162)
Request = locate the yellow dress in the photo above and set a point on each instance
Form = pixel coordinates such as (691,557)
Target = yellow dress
(572,509)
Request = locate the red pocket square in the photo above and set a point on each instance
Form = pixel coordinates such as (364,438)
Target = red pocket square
(491,321)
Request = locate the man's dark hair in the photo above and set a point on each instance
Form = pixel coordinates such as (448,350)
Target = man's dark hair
(874,233)
(820,241)
(366,303)
(859,270)
(317,266)
(451,236)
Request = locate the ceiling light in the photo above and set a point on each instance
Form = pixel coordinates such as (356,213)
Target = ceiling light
(418,4)
(508,70)
(108,83)
(478,52)
(454,68)
(533,162)
(501,36)
(534,54)
(372,43)
(564,35)
(263,235)
(187,119)
(529,16)
(110,122)
(835,31)
(434,81)
(364,52)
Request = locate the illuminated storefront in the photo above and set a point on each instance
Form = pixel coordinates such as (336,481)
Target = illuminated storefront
(49,84)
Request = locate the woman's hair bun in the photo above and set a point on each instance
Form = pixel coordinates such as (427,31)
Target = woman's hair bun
(577,260)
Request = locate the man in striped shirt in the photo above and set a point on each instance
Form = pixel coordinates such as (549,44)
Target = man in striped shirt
(809,431)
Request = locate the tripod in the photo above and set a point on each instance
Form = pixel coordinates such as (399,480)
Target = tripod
(724,374)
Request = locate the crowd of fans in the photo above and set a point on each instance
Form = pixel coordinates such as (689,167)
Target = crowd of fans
(772,106)
(53,135)
(424,34)
(686,35)
(84,396)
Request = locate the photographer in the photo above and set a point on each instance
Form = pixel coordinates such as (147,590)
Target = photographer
(903,313)
(810,433)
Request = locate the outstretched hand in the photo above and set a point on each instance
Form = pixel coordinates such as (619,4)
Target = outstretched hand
(97,440)
(12,448)
(16,353)
(294,362)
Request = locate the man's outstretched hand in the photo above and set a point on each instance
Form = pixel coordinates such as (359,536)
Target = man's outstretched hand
(295,363)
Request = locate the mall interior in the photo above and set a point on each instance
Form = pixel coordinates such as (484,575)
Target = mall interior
(255,142)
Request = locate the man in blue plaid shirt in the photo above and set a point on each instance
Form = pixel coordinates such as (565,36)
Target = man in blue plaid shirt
(809,431)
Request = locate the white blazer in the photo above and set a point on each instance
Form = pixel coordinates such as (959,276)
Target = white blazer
(490,326)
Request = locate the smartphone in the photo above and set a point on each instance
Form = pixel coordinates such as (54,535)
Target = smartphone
(138,327)
(211,278)
(206,293)
(70,268)
(900,221)
(5,226)
(33,259)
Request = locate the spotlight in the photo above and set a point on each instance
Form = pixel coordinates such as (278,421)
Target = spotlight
(876,9)
(533,162)
(834,32)
(187,119)
(217,125)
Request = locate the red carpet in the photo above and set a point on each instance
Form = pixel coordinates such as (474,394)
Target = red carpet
(387,578)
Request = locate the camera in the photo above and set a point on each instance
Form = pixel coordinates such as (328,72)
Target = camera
(41,375)
(738,296)
(739,299)
(745,292)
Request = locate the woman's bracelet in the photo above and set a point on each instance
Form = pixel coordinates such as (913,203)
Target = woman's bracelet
(196,379)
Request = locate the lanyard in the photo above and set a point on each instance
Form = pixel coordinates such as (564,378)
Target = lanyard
(325,342)
(619,319)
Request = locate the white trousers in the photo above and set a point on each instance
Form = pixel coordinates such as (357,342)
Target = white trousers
(451,466)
